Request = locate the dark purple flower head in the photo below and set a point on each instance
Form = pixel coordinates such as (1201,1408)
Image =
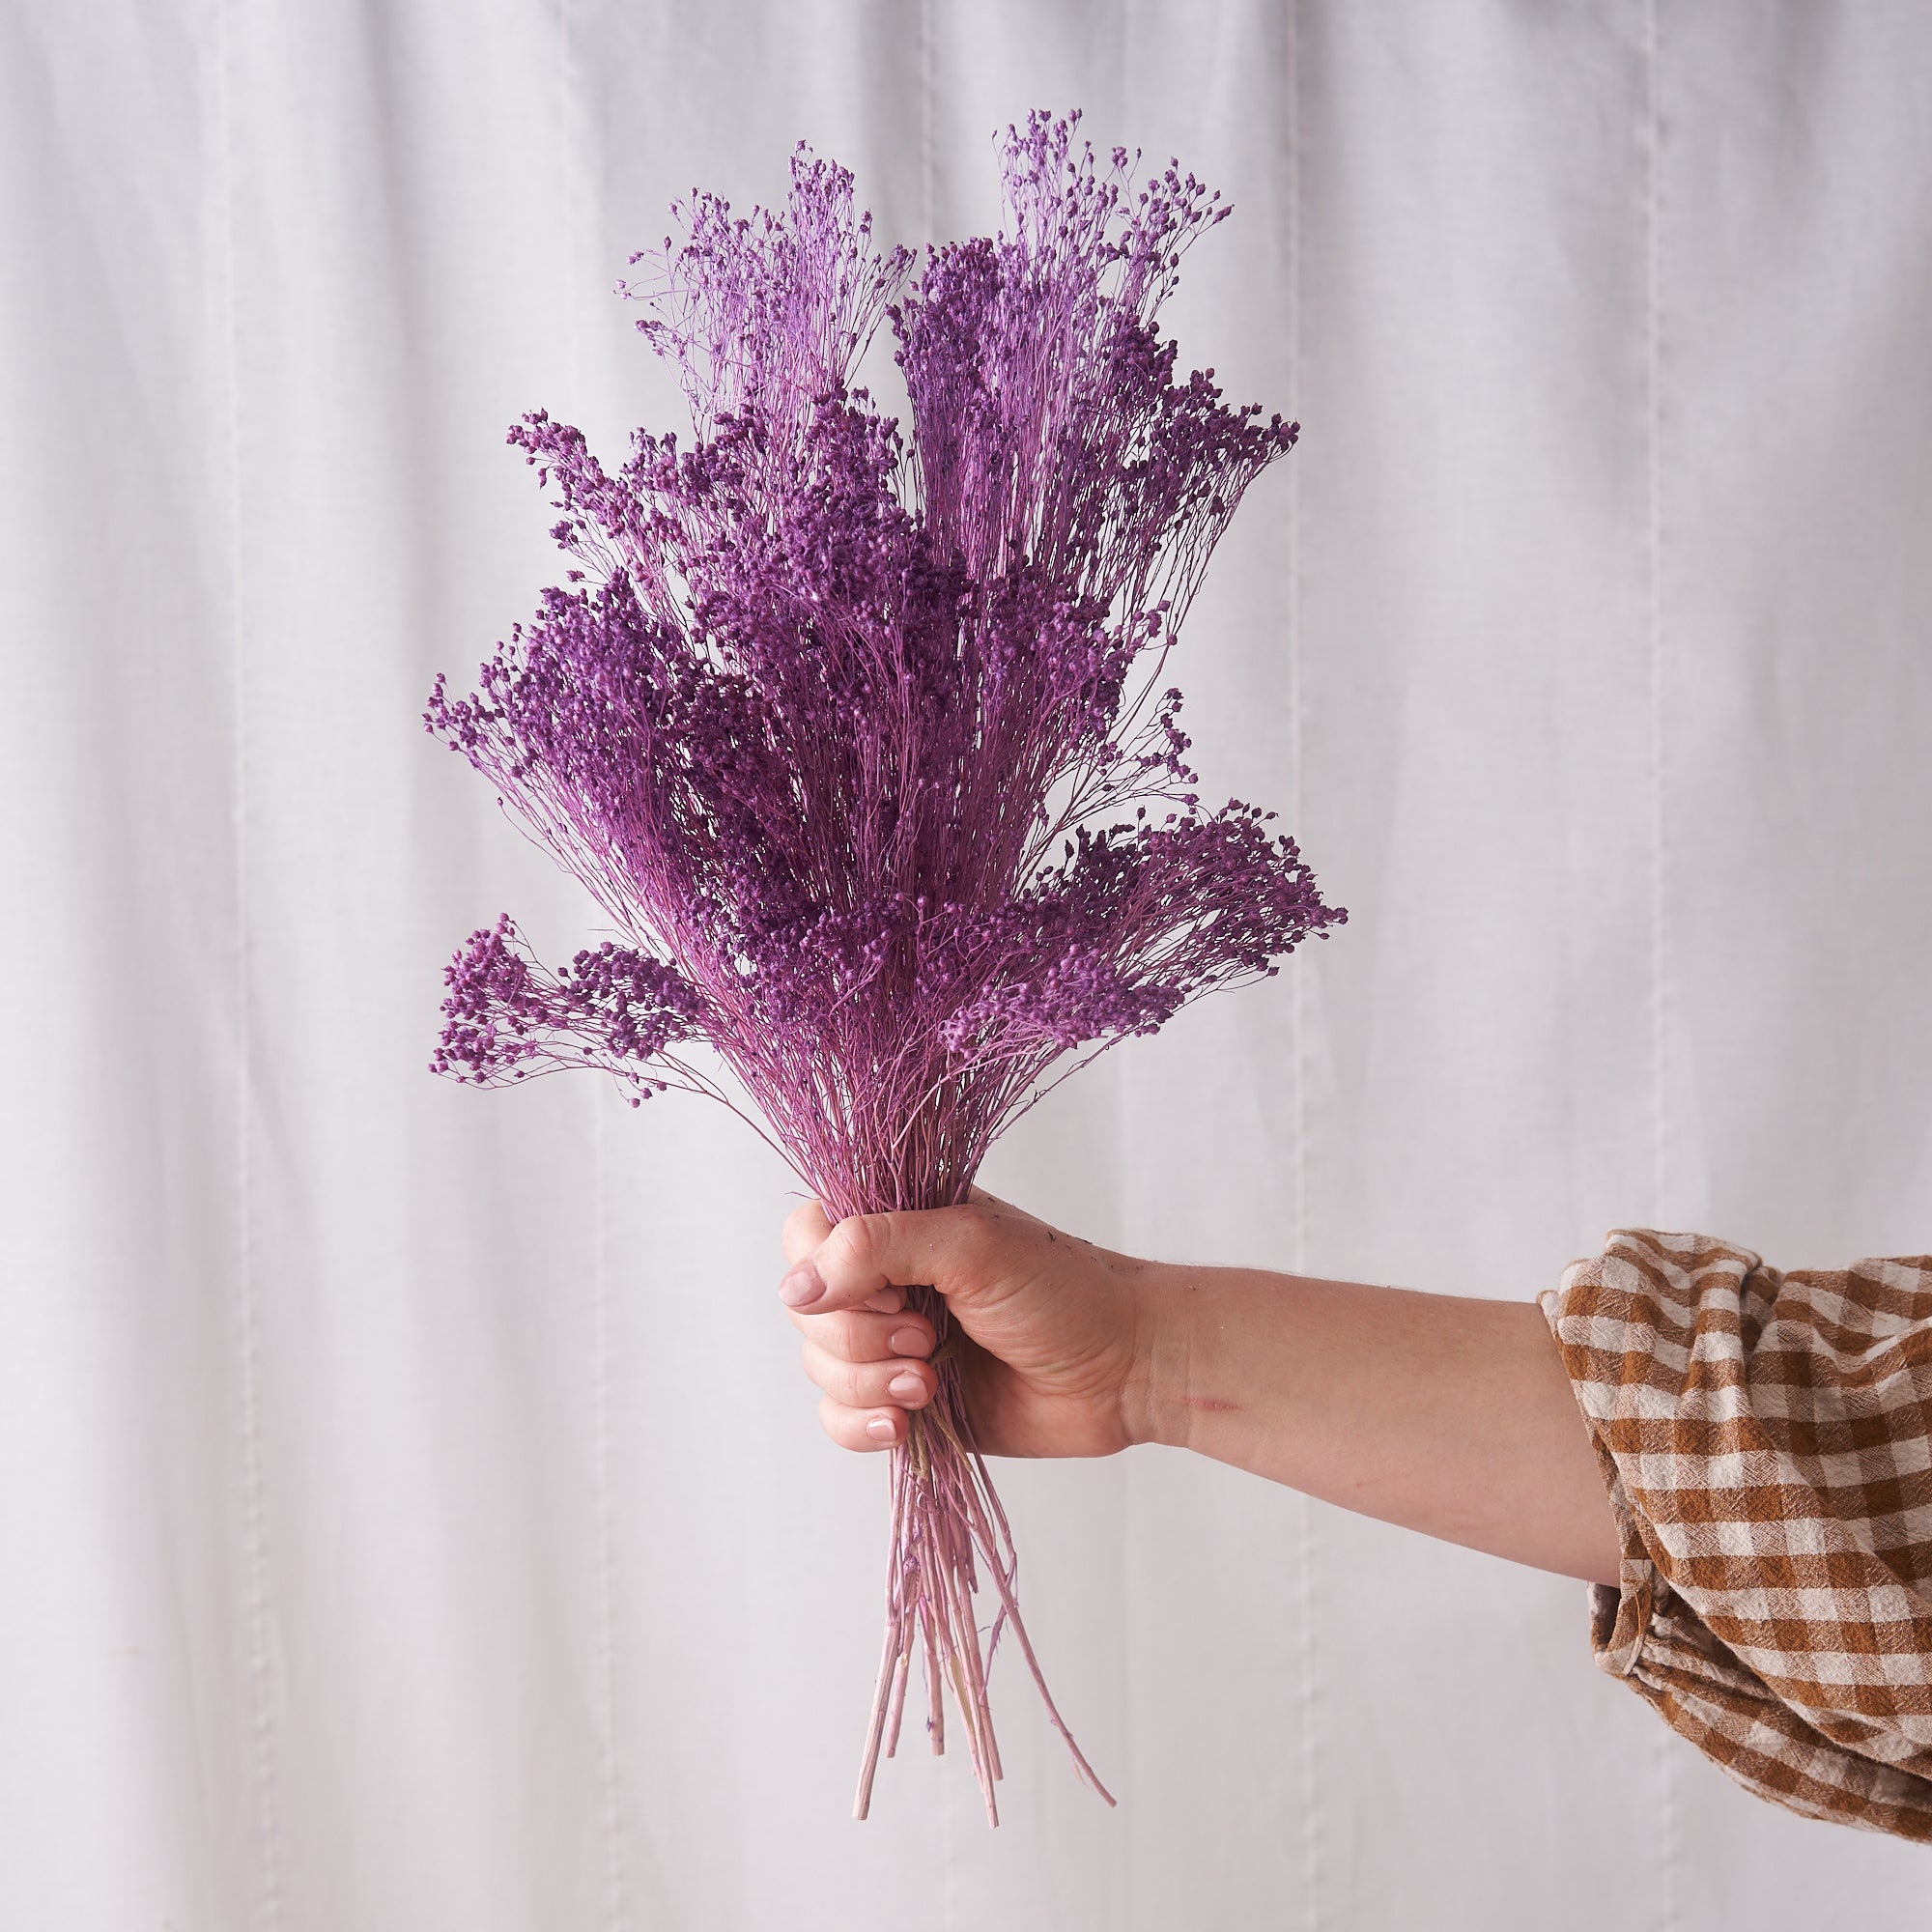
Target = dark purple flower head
(507,1017)
(856,731)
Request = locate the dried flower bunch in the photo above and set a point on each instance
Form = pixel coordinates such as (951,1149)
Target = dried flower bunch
(855,734)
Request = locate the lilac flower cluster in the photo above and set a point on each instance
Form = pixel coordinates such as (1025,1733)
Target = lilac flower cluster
(856,731)
(838,731)
(506,1017)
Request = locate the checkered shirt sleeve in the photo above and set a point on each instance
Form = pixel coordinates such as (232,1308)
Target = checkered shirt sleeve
(1766,1441)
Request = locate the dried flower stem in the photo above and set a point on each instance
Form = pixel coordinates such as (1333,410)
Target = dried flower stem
(853,732)
(948,1526)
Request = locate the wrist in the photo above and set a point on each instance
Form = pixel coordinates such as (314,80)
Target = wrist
(1167,1311)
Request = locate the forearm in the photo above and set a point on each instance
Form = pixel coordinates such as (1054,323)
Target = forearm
(1445,1415)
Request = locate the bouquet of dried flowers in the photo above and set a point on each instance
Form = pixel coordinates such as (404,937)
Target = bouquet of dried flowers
(856,732)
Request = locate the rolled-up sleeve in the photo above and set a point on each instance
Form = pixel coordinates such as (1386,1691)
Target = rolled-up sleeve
(1767,1442)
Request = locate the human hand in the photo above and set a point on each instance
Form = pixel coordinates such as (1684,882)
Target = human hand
(1053,1333)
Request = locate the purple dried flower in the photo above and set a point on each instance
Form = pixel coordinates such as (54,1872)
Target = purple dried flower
(855,733)
(506,1017)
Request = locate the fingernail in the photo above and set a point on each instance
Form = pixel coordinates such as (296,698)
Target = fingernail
(905,1388)
(802,1287)
(907,1341)
(880,1429)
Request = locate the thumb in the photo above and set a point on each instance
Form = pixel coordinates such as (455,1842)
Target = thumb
(945,1248)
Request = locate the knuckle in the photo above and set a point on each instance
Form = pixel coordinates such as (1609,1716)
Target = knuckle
(971,1230)
(799,1235)
(846,1246)
(856,1247)
(973,1219)
(826,1371)
(842,1336)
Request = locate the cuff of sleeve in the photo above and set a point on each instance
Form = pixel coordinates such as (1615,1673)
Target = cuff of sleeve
(1658,1640)
(1621,1616)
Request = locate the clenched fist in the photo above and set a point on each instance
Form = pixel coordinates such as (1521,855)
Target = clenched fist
(1054,1334)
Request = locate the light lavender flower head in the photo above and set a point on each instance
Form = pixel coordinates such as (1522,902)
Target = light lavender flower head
(856,731)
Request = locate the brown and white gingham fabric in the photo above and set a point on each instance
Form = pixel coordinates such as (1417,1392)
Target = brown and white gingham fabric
(1766,1439)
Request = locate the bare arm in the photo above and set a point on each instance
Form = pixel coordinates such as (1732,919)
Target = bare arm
(1444,1414)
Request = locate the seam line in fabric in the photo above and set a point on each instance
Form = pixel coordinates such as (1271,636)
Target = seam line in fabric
(928,159)
(262,1766)
(574,198)
(1311,1818)
(1668,1840)
(1653,601)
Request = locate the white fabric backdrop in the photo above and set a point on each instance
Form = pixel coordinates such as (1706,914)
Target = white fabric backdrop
(413,1515)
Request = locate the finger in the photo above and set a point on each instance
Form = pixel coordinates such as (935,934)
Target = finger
(863,1428)
(902,1384)
(866,1253)
(804,1228)
(857,1335)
